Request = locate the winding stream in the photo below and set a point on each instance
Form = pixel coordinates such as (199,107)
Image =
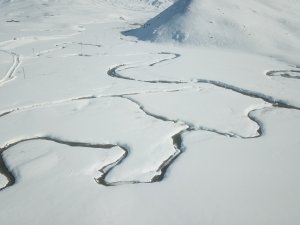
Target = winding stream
(115,72)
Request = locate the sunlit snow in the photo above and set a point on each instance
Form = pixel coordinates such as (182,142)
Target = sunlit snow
(149,112)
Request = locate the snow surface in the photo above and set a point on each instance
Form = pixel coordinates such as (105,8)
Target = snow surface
(270,27)
(198,126)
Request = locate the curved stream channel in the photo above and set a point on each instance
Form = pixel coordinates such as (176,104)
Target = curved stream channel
(115,72)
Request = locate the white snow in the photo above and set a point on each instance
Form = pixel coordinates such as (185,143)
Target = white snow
(210,110)
(270,27)
(101,121)
(149,112)
(218,179)
(3,181)
(39,159)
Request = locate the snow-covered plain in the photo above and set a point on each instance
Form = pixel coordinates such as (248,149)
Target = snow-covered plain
(149,112)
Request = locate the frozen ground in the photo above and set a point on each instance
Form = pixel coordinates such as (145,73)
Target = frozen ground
(128,112)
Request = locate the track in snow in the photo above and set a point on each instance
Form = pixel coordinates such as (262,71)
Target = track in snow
(12,70)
